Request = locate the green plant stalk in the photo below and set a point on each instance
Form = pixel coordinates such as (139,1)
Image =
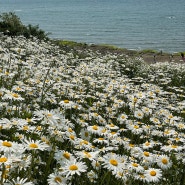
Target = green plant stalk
(102,182)
(43,86)
(2,174)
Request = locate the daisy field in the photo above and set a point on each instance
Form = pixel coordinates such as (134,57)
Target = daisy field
(79,117)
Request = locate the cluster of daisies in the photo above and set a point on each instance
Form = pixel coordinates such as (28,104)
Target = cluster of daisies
(86,118)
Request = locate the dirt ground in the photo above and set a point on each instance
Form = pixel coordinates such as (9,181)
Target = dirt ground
(149,57)
(153,58)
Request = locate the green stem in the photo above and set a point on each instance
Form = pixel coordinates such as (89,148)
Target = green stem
(102,182)
(44,83)
(2,174)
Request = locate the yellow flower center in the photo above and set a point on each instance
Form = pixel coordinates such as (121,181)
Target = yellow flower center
(95,127)
(3,159)
(142,176)
(70,129)
(147,144)
(86,134)
(49,115)
(18,89)
(87,154)
(153,173)
(120,174)
(131,145)
(39,128)
(72,137)
(25,127)
(147,154)
(164,161)
(136,126)
(7,144)
(85,142)
(33,145)
(96,114)
(28,120)
(58,179)
(166,132)
(135,100)
(66,101)
(66,155)
(170,116)
(156,120)
(101,138)
(103,130)
(97,164)
(135,164)
(73,167)
(15,95)
(113,162)
(174,146)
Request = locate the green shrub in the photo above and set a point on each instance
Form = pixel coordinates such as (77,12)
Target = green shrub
(10,24)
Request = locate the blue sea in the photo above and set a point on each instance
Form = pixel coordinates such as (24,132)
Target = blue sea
(131,24)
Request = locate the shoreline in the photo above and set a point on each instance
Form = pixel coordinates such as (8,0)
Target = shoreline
(149,55)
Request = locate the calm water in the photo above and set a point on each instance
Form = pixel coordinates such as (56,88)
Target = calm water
(132,24)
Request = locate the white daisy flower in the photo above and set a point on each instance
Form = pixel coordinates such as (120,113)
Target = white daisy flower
(122,175)
(164,162)
(85,134)
(56,179)
(136,152)
(73,167)
(88,155)
(148,145)
(101,140)
(113,162)
(8,146)
(95,129)
(61,156)
(5,160)
(139,114)
(135,167)
(122,118)
(66,104)
(92,176)
(153,175)
(35,145)
(19,181)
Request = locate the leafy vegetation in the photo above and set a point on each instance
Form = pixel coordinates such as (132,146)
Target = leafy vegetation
(10,24)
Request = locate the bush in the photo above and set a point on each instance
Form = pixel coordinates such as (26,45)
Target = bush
(10,24)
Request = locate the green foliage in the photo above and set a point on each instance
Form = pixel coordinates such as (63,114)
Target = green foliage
(70,43)
(148,51)
(10,24)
